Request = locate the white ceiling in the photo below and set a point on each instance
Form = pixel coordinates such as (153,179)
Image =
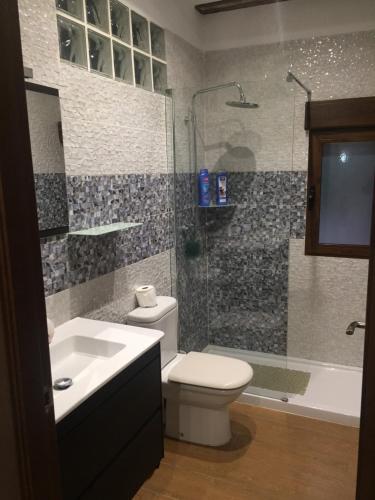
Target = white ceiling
(263,24)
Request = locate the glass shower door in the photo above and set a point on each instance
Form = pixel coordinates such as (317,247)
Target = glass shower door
(232,261)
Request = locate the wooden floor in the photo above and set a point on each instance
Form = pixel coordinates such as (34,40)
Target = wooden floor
(272,456)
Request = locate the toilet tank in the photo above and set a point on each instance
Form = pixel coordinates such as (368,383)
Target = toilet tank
(162,317)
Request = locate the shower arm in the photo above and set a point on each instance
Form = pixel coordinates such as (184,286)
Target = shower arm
(298,81)
(194,118)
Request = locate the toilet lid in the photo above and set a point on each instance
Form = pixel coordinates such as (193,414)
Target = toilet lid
(210,370)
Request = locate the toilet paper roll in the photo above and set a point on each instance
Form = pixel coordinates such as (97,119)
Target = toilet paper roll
(146,296)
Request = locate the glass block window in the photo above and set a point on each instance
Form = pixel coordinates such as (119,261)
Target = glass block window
(110,39)
(100,53)
(140,30)
(72,41)
(142,71)
(72,7)
(120,22)
(159,71)
(122,60)
(157,41)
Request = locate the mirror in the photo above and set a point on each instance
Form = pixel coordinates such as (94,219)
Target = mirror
(43,106)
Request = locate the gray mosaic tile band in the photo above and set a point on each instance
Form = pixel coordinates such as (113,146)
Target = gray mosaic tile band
(107,199)
(71,259)
(51,198)
(192,297)
(246,254)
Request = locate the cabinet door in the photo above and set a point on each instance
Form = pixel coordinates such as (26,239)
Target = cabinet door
(132,467)
(88,448)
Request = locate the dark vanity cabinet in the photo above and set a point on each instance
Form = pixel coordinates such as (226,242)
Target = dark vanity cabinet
(113,441)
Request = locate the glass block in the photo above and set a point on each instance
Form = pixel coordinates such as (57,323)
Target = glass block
(157,41)
(120,21)
(346,193)
(72,42)
(122,60)
(97,14)
(72,7)
(100,53)
(159,72)
(140,32)
(142,71)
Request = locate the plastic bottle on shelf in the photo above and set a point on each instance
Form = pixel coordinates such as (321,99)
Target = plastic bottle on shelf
(204,188)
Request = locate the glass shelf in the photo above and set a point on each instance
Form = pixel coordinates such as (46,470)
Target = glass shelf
(215,205)
(109,228)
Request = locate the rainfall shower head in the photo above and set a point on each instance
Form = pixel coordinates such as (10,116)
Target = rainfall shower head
(242,104)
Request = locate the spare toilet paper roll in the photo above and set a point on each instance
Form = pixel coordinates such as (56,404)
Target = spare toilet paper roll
(146,296)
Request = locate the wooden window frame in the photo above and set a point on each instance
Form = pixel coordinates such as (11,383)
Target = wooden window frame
(318,140)
(344,120)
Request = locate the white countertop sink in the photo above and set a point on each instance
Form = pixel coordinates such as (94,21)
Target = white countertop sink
(91,353)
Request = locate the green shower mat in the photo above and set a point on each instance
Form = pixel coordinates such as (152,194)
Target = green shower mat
(275,378)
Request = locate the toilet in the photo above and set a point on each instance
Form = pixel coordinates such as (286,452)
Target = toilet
(197,387)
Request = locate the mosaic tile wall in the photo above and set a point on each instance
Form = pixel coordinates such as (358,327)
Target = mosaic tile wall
(94,201)
(51,198)
(191,263)
(248,251)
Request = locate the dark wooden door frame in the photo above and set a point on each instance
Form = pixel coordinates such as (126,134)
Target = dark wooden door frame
(28,452)
(28,461)
(366,453)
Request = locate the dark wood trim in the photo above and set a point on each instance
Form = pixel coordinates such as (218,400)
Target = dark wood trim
(42,89)
(340,113)
(23,316)
(226,5)
(317,140)
(366,452)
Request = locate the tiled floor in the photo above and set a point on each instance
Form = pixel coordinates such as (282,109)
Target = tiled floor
(272,456)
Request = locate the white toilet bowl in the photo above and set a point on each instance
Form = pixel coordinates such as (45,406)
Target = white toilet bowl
(196,413)
(197,387)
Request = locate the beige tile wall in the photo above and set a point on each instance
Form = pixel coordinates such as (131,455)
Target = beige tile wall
(325,295)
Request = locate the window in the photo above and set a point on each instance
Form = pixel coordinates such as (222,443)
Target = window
(341,177)
(340,192)
(110,39)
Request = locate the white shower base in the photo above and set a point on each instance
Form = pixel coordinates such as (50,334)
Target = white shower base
(333,393)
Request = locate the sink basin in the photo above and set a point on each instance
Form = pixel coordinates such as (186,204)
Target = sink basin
(74,354)
(87,354)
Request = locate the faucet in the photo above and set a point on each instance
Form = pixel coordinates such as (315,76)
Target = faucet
(353,325)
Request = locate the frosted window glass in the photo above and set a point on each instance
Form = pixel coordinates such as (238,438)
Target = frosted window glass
(346,193)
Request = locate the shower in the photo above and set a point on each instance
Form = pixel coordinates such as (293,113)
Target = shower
(242,103)
(290,77)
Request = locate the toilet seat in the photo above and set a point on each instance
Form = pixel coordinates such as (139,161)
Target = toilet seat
(211,371)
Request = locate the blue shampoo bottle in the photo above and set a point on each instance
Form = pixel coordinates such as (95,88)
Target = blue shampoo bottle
(204,188)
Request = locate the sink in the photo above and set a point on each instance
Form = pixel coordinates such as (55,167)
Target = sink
(76,353)
(87,354)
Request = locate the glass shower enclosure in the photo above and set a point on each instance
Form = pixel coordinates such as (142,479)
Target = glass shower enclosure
(231,262)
